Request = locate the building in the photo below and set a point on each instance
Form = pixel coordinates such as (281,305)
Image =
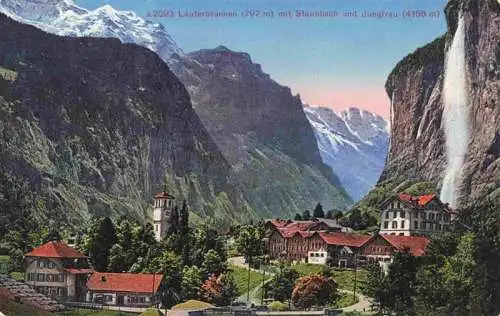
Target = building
(57,270)
(316,224)
(124,289)
(163,207)
(407,215)
(382,248)
(320,247)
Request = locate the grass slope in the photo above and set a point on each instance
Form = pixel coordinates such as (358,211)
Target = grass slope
(241,278)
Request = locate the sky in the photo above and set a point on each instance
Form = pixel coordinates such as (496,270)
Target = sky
(337,62)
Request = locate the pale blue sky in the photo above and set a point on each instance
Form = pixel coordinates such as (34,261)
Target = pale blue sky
(336,62)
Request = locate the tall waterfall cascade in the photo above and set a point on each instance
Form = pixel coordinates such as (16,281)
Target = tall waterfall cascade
(455,116)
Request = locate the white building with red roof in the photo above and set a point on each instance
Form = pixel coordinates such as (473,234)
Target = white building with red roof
(407,215)
(57,270)
(124,289)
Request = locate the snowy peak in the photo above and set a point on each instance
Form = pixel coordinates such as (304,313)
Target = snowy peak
(63,17)
(353,143)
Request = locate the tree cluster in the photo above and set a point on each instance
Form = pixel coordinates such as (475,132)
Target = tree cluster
(459,276)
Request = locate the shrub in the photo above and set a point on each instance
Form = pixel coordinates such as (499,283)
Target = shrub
(278,306)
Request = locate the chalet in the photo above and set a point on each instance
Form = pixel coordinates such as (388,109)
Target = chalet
(383,247)
(315,247)
(57,270)
(124,289)
(407,215)
(316,224)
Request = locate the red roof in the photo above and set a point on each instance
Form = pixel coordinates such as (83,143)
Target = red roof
(55,249)
(421,200)
(424,199)
(345,239)
(124,282)
(163,195)
(415,244)
(279,222)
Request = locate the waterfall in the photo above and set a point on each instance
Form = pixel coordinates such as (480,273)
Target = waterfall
(455,115)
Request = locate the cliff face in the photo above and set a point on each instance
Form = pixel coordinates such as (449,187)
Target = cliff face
(418,141)
(262,131)
(96,126)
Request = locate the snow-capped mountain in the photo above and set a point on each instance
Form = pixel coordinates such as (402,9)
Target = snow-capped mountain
(354,143)
(63,17)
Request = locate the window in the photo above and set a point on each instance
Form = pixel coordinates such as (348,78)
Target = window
(49,278)
(156,227)
(403,214)
(439,227)
(394,224)
(61,277)
(438,216)
(60,291)
(386,214)
(446,217)
(41,263)
(399,205)
(423,225)
(401,234)
(402,224)
(386,224)
(431,226)
(424,215)
(40,277)
(108,298)
(415,225)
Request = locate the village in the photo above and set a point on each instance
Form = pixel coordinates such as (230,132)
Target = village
(57,276)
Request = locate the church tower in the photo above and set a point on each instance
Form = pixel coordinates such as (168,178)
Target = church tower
(162,211)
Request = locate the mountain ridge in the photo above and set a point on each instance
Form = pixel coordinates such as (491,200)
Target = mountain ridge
(353,142)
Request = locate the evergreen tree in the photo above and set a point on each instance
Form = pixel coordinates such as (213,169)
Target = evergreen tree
(298,217)
(212,263)
(184,219)
(329,214)
(375,286)
(282,283)
(338,215)
(103,237)
(53,235)
(318,211)
(192,279)
(173,225)
(306,215)
(185,234)
(228,289)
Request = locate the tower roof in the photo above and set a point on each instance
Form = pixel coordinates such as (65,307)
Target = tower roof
(164,195)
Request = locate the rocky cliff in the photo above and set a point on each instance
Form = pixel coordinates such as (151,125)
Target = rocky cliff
(262,130)
(418,117)
(96,126)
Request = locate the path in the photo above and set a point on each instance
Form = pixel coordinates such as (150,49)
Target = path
(364,303)
(254,297)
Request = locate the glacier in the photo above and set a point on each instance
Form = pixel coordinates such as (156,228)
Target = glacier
(354,143)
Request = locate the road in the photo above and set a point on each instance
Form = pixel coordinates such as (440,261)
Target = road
(364,303)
